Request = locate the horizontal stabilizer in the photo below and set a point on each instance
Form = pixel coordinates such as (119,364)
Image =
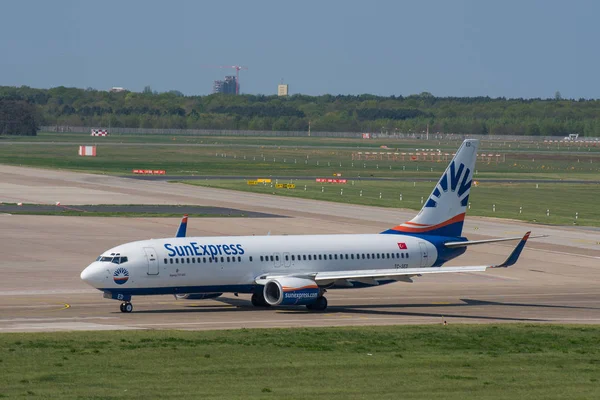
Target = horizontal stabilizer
(465,243)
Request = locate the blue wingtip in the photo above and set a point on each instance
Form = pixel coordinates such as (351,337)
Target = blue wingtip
(182,227)
(514,256)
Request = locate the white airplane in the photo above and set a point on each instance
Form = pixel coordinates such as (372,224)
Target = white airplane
(299,269)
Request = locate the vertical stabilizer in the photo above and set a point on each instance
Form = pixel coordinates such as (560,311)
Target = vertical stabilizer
(444,211)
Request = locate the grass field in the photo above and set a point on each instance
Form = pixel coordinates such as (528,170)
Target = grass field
(401,144)
(521,201)
(409,362)
(323,157)
(284,161)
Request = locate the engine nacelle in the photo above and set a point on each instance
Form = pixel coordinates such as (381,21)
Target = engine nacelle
(290,291)
(197,296)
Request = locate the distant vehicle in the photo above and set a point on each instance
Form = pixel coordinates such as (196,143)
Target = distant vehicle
(300,269)
(572,136)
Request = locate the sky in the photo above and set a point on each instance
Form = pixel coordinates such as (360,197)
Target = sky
(508,48)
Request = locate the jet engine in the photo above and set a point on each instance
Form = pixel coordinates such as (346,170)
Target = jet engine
(197,296)
(288,291)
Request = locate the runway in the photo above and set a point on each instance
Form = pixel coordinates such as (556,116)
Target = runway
(557,278)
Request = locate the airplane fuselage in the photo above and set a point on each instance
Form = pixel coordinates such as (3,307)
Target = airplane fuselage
(232,264)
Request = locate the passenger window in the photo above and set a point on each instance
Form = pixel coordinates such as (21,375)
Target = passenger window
(310,257)
(250,258)
(166,261)
(378,256)
(261,258)
(368,256)
(304,257)
(222,259)
(402,254)
(336,256)
(177,261)
(320,257)
(293,257)
(276,258)
(372,256)
(210,259)
(406,255)
(228,259)
(346,256)
(393,255)
(363,256)
(171,261)
(287,257)
(352,256)
(271,258)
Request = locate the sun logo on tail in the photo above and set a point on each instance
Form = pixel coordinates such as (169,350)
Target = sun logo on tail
(454,177)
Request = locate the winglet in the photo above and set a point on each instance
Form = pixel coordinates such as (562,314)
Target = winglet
(514,256)
(182,227)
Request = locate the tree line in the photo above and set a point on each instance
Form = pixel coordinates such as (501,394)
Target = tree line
(343,113)
(17,117)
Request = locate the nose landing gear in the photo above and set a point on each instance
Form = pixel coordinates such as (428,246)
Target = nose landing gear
(126,307)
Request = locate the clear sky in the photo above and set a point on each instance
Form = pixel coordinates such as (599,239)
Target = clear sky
(511,48)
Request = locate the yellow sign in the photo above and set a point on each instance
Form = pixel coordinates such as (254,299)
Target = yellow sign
(285,186)
(263,180)
(252,182)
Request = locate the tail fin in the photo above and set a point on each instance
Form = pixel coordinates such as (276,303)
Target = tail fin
(444,211)
(182,227)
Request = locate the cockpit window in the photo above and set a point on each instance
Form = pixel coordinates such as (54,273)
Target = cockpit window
(113,259)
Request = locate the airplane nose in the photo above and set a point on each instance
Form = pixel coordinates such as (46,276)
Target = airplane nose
(86,275)
(92,275)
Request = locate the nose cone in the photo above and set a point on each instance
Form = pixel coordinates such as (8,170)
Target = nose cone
(93,275)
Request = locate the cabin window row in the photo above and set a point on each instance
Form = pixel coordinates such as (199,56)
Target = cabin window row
(352,256)
(202,260)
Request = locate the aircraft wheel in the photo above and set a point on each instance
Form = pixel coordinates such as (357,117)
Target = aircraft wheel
(127,307)
(122,307)
(319,305)
(258,300)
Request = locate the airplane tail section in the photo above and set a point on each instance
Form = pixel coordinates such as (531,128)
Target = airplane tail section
(443,213)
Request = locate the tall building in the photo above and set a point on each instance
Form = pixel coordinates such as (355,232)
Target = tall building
(227,86)
(282,90)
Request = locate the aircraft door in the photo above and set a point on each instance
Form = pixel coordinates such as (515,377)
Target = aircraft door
(424,255)
(287,260)
(152,259)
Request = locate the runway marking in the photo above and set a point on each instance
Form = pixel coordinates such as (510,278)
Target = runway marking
(23,319)
(47,292)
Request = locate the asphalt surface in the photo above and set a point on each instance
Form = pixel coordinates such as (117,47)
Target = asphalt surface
(557,278)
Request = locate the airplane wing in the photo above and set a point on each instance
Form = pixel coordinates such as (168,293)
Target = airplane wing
(182,227)
(370,276)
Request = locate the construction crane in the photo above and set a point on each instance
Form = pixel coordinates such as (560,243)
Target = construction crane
(237,73)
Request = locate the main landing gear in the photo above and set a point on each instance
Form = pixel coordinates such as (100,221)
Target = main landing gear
(319,305)
(126,307)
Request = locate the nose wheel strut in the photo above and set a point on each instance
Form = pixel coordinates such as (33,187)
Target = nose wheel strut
(126,307)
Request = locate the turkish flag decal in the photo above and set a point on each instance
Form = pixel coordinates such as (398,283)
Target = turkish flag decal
(402,246)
